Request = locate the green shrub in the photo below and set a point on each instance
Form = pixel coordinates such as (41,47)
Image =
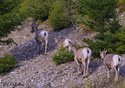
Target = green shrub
(8,16)
(113,42)
(7,63)
(121,1)
(62,56)
(58,17)
(95,46)
(110,35)
(37,9)
(104,10)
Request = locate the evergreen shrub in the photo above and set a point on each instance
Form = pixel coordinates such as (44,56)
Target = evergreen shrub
(113,40)
(58,16)
(7,63)
(62,56)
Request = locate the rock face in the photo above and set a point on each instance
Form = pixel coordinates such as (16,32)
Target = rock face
(39,71)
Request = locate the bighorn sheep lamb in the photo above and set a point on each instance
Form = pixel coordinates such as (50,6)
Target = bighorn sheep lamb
(111,61)
(63,43)
(82,56)
(40,37)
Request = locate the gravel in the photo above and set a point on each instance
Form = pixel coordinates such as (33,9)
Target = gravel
(39,71)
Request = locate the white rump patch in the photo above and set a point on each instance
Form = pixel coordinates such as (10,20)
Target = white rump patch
(42,33)
(66,42)
(116,60)
(85,54)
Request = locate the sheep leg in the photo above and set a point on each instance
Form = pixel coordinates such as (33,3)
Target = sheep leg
(41,45)
(84,67)
(87,66)
(79,69)
(69,48)
(79,66)
(38,47)
(116,73)
(107,71)
(46,46)
(118,69)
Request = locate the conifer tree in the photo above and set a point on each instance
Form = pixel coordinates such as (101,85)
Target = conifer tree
(103,19)
(100,12)
(58,15)
(8,16)
(63,13)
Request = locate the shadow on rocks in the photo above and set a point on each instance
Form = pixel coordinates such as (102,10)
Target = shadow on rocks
(122,71)
(94,65)
(27,51)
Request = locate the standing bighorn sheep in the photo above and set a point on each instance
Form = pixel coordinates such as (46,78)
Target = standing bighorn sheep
(82,56)
(40,37)
(111,61)
(63,43)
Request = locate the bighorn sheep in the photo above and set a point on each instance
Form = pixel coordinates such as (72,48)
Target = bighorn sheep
(40,37)
(82,56)
(111,61)
(63,43)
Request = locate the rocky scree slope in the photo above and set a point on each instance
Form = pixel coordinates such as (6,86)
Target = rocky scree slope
(39,71)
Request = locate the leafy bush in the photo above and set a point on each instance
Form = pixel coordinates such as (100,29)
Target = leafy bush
(58,15)
(7,63)
(62,56)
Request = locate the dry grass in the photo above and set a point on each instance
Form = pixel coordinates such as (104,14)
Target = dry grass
(119,84)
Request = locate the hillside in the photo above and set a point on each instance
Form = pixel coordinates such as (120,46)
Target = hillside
(39,71)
